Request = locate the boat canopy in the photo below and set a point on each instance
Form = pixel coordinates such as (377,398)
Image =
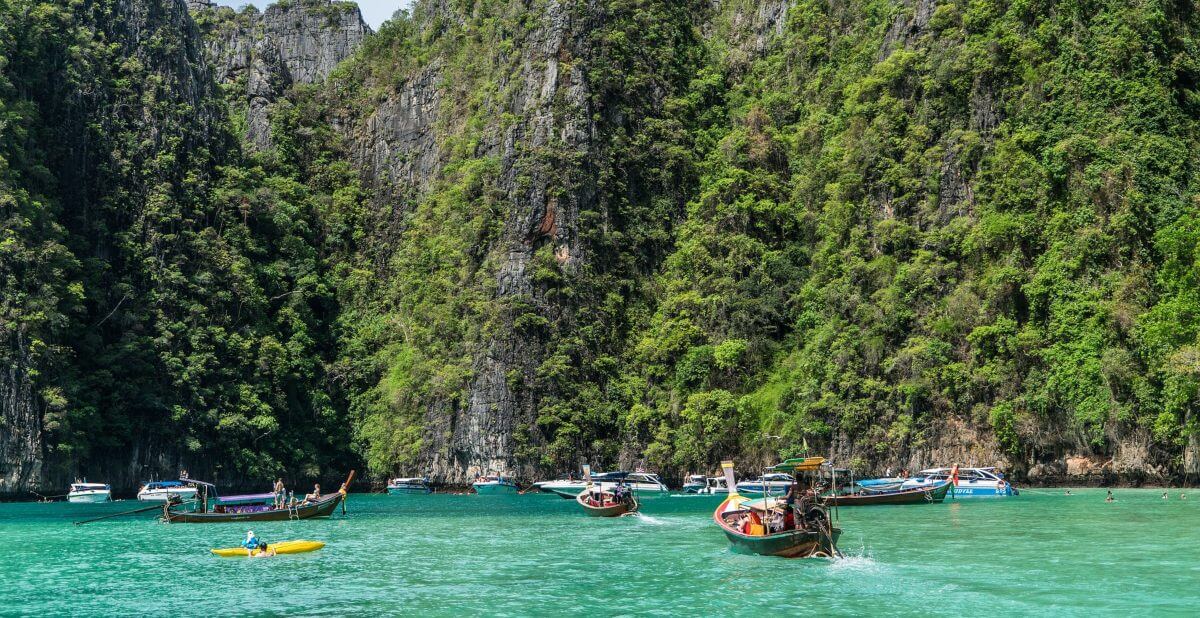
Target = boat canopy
(87,486)
(799,464)
(163,484)
(246,499)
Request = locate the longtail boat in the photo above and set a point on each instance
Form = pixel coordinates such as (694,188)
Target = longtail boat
(922,495)
(772,527)
(253,507)
(606,504)
(598,501)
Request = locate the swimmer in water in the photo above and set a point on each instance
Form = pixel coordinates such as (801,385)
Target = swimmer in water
(1110,497)
(1068,492)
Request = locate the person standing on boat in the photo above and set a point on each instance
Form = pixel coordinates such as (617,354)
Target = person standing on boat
(792,514)
(280,494)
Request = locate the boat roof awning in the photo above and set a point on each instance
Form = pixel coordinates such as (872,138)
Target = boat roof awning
(246,498)
(799,464)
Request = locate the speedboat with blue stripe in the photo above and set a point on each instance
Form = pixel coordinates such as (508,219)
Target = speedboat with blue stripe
(773,484)
(968,482)
(486,485)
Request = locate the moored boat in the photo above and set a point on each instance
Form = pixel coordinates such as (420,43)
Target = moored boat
(881,484)
(772,484)
(916,495)
(968,482)
(413,485)
(163,491)
(89,492)
(488,485)
(694,483)
(771,526)
(252,507)
(705,486)
(643,484)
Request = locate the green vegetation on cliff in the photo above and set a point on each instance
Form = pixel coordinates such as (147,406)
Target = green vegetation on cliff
(619,231)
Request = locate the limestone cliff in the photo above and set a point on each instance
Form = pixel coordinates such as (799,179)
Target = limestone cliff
(259,55)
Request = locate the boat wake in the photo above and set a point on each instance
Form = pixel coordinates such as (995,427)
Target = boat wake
(859,561)
(647,519)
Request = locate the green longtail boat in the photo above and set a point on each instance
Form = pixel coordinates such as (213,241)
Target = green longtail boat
(773,527)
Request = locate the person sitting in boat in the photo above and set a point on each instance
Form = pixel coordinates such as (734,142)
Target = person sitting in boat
(251,541)
(314,496)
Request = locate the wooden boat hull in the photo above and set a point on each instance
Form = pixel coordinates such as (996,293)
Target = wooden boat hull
(793,544)
(615,510)
(282,547)
(922,495)
(788,544)
(322,508)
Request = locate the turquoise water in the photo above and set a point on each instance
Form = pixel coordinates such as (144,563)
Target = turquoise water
(1038,554)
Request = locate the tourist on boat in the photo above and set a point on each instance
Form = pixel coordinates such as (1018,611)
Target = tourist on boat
(280,494)
(315,495)
(251,541)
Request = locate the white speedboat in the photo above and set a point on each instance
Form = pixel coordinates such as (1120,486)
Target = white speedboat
(643,484)
(495,485)
(968,482)
(773,484)
(162,491)
(413,485)
(698,484)
(89,492)
(566,488)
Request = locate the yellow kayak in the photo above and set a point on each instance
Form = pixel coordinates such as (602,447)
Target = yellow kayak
(282,547)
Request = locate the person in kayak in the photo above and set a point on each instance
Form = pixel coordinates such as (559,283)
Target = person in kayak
(251,541)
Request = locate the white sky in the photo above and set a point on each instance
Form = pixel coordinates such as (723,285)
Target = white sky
(374,12)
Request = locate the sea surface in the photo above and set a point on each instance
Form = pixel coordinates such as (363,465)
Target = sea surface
(1040,554)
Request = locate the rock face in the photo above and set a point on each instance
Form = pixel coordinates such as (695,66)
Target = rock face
(20,423)
(397,145)
(264,54)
